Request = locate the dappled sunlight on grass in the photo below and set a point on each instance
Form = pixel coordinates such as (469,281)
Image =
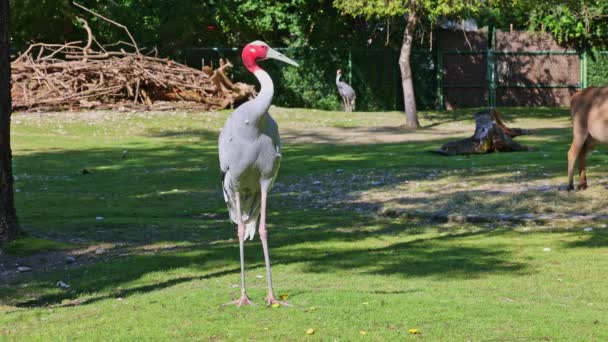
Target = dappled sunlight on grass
(156,255)
(31,245)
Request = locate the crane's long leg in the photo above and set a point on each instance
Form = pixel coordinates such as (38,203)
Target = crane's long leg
(244,300)
(270,299)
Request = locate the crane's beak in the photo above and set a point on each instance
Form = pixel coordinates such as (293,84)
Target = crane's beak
(279,56)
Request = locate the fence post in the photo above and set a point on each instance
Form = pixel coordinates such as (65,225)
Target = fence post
(396,80)
(583,67)
(439,78)
(438,71)
(350,65)
(491,68)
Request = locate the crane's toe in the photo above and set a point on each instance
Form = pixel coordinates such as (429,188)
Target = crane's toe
(270,300)
(244,300)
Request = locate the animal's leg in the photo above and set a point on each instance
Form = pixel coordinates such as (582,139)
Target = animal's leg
(353,105)
(582,158)
(344,104)
(244,300)
(270,299)
(578,140)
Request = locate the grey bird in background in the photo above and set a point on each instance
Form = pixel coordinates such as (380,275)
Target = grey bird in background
(250,155)
(346,92)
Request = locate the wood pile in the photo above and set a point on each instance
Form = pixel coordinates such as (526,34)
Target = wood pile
(72,76)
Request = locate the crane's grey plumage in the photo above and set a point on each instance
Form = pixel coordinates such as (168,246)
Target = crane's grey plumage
(250,155)
(346,92)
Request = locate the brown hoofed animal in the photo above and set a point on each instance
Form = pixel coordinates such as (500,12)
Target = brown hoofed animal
(589,109)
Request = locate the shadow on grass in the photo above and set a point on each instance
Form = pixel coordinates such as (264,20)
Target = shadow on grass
(507,113)
(139,191)
(596,239)
(438,257)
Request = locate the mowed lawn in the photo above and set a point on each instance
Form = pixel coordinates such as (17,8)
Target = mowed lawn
(135,199)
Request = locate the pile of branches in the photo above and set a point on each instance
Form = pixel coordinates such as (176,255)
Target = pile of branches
(50,77)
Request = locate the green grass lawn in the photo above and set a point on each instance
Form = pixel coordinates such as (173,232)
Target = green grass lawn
(150,197)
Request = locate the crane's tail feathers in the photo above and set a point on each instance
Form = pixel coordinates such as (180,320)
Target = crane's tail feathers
(250,206)
(250,230)
(224,186)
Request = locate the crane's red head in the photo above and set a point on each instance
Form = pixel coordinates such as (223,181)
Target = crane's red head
(339,72)
(259,50)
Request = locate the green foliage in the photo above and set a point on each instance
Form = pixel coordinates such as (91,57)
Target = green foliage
(581,23)
(176,24)
(597,70)
(431,10)
(374,70)
(374,8)
(313,31)
(49,21)
(152,23)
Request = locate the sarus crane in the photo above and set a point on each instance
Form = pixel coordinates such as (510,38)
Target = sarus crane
(346,92)
(250,155)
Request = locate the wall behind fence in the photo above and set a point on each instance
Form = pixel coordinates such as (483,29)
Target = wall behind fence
(509,69)
(501,68)
(373,73)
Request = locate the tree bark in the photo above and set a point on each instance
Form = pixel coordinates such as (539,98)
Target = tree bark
(9,226)
(409,100)
(491,135)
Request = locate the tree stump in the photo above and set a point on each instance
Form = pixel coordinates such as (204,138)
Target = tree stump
(491,135)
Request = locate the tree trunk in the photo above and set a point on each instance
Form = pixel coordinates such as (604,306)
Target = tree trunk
(9,227)
(409,100)
(491,135)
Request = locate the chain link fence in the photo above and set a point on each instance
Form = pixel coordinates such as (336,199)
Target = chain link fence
(373,73)
(597,69)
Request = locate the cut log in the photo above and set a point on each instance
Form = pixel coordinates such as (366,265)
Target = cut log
(491,135)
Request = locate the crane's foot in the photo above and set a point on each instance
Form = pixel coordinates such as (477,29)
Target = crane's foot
(270,300)
(244,300)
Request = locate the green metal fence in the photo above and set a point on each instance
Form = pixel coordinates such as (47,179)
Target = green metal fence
(596,69)
(513,81)
(374,73)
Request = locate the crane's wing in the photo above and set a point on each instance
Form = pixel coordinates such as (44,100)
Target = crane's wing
(271,130)
(346,90)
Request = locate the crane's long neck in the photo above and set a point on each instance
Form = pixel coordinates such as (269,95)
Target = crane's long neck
(264,98)
(338,79)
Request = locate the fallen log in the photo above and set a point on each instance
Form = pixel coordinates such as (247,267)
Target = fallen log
(491,135)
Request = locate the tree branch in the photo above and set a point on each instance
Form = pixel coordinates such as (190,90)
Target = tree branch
(110,21)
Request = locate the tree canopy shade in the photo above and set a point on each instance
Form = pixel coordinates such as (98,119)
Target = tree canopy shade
(413,11)
(177,24)
(9,227)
